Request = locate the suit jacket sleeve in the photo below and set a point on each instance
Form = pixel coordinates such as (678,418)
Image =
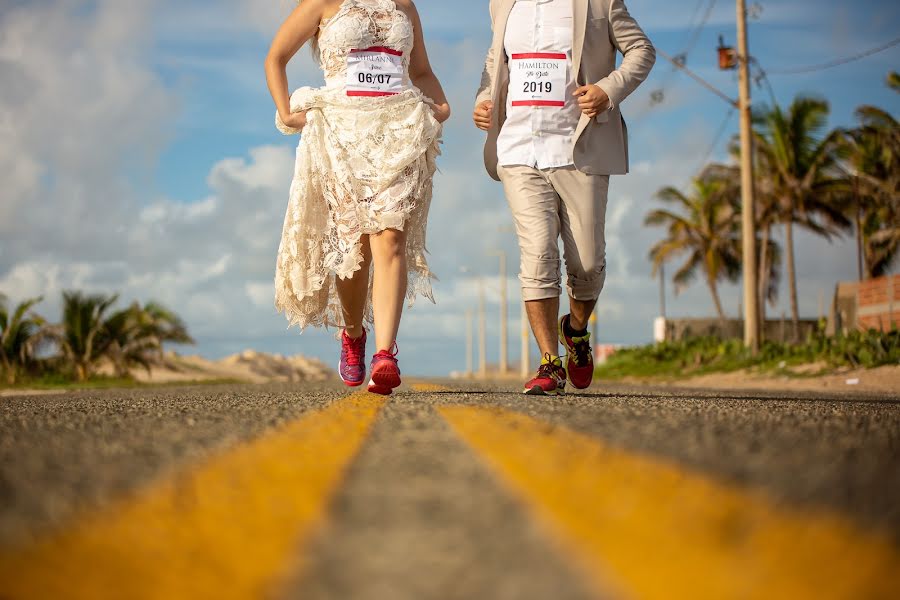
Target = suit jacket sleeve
(486,89)
(639,54)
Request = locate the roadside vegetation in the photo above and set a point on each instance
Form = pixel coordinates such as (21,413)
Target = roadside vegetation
(94,344)
(832,183)
(701,356)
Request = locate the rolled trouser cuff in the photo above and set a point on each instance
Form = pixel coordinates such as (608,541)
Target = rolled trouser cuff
(532,293)
(586,289)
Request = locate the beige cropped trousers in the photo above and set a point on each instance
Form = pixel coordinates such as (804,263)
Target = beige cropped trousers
(553,203)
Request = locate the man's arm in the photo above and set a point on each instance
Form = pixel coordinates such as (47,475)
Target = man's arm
(486,89)
(639,54)
(483,104)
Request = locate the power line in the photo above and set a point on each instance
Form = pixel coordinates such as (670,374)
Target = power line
(718,137)
(837,62)
(696,33)
(697,78)
(763,76)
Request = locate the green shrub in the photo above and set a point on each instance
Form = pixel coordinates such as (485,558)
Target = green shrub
(696,356)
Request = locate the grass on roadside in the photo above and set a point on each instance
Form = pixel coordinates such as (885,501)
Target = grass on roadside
(700,356)
(61,382)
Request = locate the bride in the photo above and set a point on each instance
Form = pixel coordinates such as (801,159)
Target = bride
(363,176)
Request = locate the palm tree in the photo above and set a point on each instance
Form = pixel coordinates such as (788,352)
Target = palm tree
(893,81)
(797,160)
(769,252)
(705,228)
(20,332)
(82,335)
(871,155)
(136,336)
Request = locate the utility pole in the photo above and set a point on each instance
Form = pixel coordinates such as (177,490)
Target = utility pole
(470,345)
(859,232)
(504,317)
(748,209)
(662,290)
(526,344)
(482,335)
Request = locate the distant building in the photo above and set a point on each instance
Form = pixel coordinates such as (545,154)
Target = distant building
(871,304)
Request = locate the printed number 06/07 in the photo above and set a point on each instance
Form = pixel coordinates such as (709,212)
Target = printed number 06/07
(370,78)
(532,87)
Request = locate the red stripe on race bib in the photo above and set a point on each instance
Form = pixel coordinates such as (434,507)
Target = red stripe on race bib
(380,49)
(537,103)
(370,94)
(552,55)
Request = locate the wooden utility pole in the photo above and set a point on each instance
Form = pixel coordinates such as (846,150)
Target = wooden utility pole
(504,317)
(526,344)
(662,290)
(470,345)
(748,208)
(482,334)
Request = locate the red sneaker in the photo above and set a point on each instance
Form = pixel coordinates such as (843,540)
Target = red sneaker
(550,380)
(352,367)
(385,372)
(579,357)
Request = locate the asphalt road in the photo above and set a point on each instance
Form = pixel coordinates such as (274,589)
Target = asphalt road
(448,491)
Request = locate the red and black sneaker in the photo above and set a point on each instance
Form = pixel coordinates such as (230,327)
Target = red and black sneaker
(550,379)
(385,372)
(579,356)
(353,359)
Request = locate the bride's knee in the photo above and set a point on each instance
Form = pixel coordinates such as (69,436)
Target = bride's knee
(389,244)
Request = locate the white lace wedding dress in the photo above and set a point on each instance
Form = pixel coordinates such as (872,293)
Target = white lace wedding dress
(364,164)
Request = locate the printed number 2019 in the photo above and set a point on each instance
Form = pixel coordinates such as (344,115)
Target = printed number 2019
(370,78)
(532,87)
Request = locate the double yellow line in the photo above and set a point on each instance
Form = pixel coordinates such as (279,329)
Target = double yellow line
(637,526)
(228,529)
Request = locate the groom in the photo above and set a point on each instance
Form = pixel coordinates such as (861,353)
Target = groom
(549,101)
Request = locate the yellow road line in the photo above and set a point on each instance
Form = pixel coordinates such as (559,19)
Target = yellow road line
(659,531)
(229,529)
(428,387)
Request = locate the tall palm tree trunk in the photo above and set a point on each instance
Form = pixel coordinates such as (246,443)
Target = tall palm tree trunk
(763,279)
(718,303)
(792,277)
(8,370)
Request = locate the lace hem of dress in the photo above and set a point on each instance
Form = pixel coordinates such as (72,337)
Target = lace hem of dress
(353,177)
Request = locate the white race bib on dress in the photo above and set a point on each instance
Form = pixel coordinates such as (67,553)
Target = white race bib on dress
(375,72)
(538,79)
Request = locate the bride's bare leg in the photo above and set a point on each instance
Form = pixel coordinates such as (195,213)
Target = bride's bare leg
(354,292)
(389,290)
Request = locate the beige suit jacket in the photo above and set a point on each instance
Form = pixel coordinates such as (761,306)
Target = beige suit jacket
(602,27)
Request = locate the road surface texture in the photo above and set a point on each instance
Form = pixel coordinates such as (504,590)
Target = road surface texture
(448,491)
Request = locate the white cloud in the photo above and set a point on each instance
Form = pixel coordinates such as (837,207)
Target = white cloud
(84,115)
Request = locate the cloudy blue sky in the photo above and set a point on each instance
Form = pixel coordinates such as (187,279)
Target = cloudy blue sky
(138,155)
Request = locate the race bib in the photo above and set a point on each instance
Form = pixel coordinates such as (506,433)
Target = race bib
(538,79)
(375,72)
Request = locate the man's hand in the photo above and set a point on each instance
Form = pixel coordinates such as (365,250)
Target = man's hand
(296,120)
(482,116)
(592,100)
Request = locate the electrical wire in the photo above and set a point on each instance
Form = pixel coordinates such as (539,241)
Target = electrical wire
(718,137)
(698,79)
(837,62)
(694,31)
(695,36)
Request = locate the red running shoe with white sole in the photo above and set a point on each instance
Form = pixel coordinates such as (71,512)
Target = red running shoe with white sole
(579,356)
(353,360)
(550,379)
(385,372)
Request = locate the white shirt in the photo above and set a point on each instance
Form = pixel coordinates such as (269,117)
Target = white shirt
(542,137)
